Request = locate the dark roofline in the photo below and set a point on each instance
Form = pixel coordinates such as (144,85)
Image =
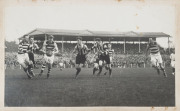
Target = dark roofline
(91,33)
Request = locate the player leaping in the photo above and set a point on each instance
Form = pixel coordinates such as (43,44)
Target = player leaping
(82,51)
(156,59)
(49,49)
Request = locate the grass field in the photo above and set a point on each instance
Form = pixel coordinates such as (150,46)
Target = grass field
(127,87)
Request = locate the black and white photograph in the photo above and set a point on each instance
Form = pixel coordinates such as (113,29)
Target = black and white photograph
(89,54)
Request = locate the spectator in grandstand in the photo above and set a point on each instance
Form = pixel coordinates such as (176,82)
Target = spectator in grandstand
(155,55)
(49,49)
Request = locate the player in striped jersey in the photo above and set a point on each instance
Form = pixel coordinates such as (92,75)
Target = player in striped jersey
(110,52)
(49,49)
(23,57)
(32,47)
(98,55)
(172,57)
(156,59)
(82,51)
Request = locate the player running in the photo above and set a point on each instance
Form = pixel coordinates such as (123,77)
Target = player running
(82,51)
(98,56)
(156,59)
(172,57)
(33,47)
(49,49)
(23,57)
(108,60)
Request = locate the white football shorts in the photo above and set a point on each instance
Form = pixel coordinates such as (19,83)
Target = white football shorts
(156,59)
(23,58)
(173,64)
(61,64)
(49,59)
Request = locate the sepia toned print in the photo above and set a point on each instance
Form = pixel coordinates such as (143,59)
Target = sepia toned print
(112,56)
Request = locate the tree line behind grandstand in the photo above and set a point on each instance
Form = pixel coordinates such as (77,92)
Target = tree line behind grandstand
(132,57)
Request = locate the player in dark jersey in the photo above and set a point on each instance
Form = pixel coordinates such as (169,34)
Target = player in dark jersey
(49,49)
(82,51)
(104,58)
(98,55)
(109,61)
(156,59)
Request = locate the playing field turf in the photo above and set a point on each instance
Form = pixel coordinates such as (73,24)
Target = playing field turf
(127,87)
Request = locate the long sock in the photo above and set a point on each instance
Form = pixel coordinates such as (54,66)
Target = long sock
(100,69)
(43,67)
(49,70)
(163,69)
(30,68)
(94,70)
(25,69)
(78,70)
(173,69)
(110,71)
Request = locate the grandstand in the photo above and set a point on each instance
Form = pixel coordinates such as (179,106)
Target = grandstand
(121,39)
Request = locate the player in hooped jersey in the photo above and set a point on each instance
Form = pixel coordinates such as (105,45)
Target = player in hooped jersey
(33,47)
(49,49)
(23,57)
(156,59)
(82,51)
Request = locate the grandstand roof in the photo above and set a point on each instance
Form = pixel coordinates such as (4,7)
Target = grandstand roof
(70,35)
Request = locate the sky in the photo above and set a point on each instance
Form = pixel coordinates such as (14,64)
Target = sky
(20,20)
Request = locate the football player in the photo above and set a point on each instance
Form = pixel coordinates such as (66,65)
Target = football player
(82,51)
(23,57)
(49,49)
(98,54)
(32,47)
(172,57)
(156,59)
(108,60)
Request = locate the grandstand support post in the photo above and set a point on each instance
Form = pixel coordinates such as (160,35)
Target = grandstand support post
(139,45)
(168,46)
(124,46)
(45,37)
(62,49)
(144,65)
